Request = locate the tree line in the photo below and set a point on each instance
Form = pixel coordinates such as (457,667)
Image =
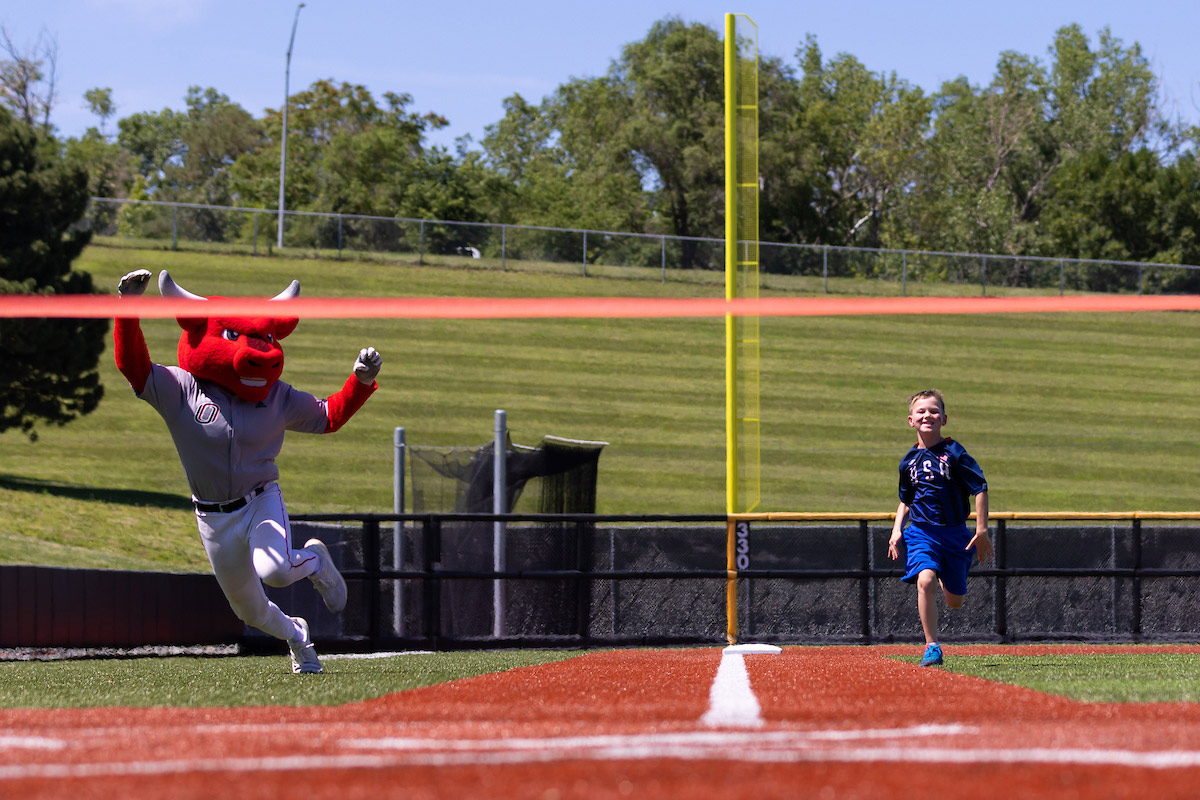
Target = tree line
(1068,156)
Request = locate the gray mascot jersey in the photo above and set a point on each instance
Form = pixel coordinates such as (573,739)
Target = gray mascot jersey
(228,445)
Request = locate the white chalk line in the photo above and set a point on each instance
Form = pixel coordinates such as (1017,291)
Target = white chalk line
(780,748)
(398,653)
(774,747)
(19,742)
(731,700)
(429,743)
(706,739)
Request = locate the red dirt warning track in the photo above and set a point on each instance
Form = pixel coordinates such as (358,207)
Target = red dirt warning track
(835,723)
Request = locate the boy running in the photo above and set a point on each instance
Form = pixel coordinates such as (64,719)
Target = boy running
(937,479)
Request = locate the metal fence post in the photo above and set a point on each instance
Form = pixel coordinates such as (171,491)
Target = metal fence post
(371,565)
(1139,278)
(503,248)
(431,583)
(663,240)
(421,245)
(1001,598)
(398,453)
(873,598)
(864,585)
(255,233)
(583,582)
(1136,588)
(825,267)
(585,254)
(983,276)
(499,484)
(904,274)
(614,585)
(1062,276)
(1114,583)
(339,237)
(174,227)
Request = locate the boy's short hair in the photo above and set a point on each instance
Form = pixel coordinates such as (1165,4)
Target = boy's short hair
(934,393)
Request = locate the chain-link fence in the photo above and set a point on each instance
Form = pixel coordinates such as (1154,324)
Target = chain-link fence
(143,223)
(814,268)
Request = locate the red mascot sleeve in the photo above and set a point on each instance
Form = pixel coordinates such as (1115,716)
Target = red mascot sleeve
(350,398)
(131,353)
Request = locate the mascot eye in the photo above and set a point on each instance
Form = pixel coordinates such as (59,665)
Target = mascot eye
(270,338)
(232,336)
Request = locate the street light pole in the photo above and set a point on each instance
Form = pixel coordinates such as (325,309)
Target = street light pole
(287,76)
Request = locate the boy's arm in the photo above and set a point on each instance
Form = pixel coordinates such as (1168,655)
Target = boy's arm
(981,540)
(897,531)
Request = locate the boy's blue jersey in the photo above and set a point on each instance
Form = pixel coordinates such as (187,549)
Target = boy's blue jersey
(937,484)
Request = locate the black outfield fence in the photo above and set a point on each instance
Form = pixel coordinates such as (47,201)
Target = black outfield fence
(438,580)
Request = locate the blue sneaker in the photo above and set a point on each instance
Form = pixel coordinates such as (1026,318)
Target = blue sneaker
(933,655)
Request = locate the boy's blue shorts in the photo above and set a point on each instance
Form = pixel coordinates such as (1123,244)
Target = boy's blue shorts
(940,549)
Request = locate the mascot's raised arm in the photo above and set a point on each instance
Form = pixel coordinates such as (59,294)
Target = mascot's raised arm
(227,410)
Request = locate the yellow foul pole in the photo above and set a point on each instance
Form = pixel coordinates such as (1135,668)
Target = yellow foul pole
(731,400)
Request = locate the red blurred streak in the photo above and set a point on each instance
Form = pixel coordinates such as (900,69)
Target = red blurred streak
(100,306)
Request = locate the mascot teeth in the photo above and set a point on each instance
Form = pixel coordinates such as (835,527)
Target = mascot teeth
(254,381)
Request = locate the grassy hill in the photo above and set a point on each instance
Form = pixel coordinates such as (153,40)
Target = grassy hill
(1064,412)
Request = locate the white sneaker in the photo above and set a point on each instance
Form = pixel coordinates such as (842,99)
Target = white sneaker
(304,655)
(327,579)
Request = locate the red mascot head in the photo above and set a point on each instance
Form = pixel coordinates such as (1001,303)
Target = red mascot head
(241,354)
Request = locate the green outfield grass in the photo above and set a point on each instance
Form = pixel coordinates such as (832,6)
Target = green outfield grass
(1109,678)
(1087,412)
(240,680)
(265,680)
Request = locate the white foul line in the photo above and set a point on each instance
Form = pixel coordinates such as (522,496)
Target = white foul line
(731,701)
(775,747)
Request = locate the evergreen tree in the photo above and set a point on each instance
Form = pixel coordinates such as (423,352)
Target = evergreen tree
(47,366)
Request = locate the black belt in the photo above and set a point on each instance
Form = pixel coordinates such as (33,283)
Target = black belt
(232,505)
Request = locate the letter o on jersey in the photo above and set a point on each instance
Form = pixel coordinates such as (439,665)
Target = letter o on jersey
(207,413)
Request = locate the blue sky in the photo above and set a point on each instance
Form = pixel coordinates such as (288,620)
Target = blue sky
(461,59)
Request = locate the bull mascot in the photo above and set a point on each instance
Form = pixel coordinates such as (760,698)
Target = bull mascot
(227,412)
